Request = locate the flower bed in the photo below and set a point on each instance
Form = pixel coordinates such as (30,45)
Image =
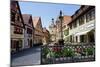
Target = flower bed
(66,54)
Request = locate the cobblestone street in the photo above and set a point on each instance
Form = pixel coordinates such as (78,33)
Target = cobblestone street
(29,56)
(51,34)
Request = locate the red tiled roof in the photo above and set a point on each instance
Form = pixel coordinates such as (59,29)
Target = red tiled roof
(67,19)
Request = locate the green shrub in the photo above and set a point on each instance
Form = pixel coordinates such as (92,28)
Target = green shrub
(89,50)
(50,54)
(46,50)
(68,52)
(58,54)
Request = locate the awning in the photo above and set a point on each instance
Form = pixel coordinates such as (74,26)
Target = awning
(82,33)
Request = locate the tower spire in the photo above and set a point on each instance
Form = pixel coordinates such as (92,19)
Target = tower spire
(53,20)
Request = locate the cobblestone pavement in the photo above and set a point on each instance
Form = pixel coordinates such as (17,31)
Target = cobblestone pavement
(29,56)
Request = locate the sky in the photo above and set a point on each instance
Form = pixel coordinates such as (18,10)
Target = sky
(47,11)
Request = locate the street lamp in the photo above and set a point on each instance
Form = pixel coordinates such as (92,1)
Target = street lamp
(61,41)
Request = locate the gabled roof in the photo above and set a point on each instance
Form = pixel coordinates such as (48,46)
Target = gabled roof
(26,18)
(35,21)
(13,7)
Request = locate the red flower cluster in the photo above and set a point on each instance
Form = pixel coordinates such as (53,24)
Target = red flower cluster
(78,50)
(56,49)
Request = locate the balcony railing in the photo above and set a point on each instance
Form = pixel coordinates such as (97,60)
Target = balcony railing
(69,53)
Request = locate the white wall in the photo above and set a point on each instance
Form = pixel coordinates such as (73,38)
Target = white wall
(85,27)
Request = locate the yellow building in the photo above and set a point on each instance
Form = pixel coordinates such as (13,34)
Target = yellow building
(46,37)
(38,31)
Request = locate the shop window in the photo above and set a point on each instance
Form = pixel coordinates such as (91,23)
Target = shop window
(20,43)
(13,44)
(91,37)
(31,41)
(83,38)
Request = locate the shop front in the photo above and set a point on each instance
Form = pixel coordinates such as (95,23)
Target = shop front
(16,45)
(85,37)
